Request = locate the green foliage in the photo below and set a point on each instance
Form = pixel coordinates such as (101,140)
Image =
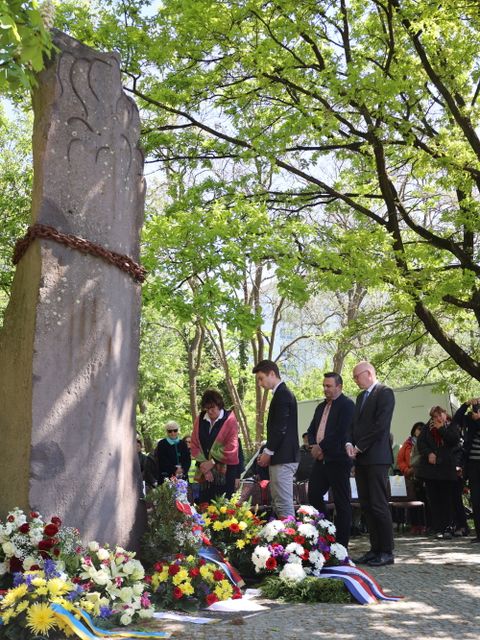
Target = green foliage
(169,530)
(24,41)
(306,590)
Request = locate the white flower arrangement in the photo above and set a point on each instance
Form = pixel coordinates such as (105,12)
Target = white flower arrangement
(309,531)
(260,556)
(293,572)
(272,529)
(329,526)
(339,551)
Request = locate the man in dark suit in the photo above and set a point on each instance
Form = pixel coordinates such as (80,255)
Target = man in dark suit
(281,453)
(369,445)
(327,434)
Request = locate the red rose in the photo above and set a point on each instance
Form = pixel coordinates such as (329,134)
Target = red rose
(56,552)
(34,514)
(56,520)
(213,516)
(34,567)
(234,528)
(271,563)
(218,575)
(230,512)
(16,565)
(11,518)
(148,579)
(211,598)
(50,529)
(202,562)
(255,540)
(306,555)
(203,506)
(326,555)
(194,572)
(299,539)
(177,593)
(173,569)
(24,528)
(179,556)
(46,545)
(236,594)
(158,566)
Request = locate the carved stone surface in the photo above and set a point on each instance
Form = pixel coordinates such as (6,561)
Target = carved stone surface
(70,342)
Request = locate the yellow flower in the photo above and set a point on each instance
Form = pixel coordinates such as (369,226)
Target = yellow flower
(39,582)
(40,618)
(242,525)
(58,587)
(207,521)
(223,509)
(6,615)
(187,588)
(41,591)
(13,595)
(21,606)
(190,558)
(240,544)
(217,525)
(212,509)
(205,572)
(249,514)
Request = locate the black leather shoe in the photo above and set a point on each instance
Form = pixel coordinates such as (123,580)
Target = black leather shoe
(381,560)
(370,555)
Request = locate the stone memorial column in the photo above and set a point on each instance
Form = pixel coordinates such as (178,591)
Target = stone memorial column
(69,347)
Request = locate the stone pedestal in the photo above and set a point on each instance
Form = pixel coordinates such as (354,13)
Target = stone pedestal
(70,343)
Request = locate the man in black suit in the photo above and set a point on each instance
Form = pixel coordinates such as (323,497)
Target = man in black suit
(327,434)
(369,445)
(281,453)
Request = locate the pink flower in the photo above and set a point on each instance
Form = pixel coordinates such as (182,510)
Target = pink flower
(145,600)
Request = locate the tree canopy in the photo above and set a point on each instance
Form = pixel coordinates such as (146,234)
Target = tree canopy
(365,108)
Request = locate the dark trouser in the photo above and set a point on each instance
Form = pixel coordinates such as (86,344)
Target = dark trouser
(209,490)
(459,515)
(334,476)
(372,482)
(473,474)
(440,496)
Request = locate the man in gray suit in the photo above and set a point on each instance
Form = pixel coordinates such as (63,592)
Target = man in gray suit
(369,445)
(282,451)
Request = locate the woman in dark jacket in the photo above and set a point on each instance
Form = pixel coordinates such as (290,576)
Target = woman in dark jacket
(437,445)
(172,455)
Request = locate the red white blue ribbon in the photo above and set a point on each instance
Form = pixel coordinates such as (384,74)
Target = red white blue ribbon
(363,587)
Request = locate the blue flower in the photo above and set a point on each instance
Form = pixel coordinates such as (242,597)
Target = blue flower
(105,612)
(50,569)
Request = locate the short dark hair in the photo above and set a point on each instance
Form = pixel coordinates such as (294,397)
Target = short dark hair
(210,398)
(336,376)
(417,425)
(305,434)
(265,366)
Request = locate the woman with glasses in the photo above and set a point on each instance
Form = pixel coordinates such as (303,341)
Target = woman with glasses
(172,455)
(214,447)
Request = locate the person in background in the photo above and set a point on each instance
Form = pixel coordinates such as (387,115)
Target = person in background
(306,463)
(172,455)
(142,457)
(214,446)
(437,444)
(414,486)
(468,416)
(281,453)
(369,445)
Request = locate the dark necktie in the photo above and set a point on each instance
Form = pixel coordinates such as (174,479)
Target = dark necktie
(364,399)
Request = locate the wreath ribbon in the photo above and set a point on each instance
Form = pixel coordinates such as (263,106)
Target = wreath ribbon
(84,628)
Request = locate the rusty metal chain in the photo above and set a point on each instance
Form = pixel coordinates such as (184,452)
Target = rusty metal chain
(136,271)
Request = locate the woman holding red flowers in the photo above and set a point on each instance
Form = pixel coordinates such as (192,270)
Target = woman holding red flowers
(214,446)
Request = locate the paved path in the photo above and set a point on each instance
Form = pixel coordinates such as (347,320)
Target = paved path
(439,579)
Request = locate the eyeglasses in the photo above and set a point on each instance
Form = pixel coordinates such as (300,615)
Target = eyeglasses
(172,430)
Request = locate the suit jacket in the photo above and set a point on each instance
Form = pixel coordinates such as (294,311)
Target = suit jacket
(370,430)
(282,427)
(336,430)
